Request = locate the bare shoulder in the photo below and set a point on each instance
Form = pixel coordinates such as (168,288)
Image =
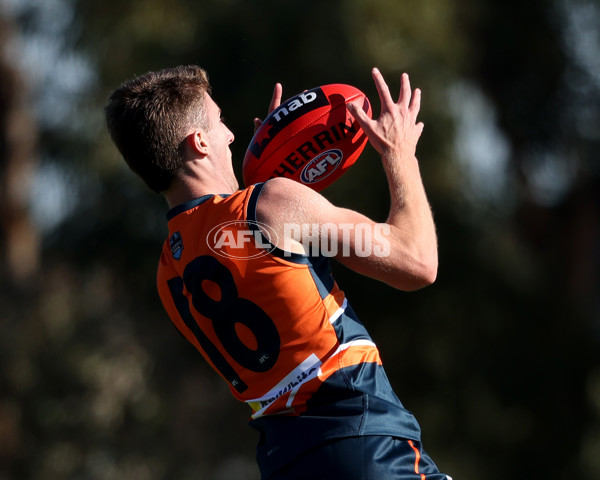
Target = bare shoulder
(281,188)
(283,199)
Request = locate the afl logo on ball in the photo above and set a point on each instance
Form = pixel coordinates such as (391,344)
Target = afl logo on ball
(321,166)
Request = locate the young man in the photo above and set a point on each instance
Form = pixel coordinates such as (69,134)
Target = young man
(264,310)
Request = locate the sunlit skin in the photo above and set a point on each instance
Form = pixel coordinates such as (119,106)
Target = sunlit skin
(208,168)
(412,262)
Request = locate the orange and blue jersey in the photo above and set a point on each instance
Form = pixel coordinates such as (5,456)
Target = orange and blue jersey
(276,326)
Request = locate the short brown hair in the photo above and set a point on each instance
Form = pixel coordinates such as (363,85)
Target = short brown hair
(148,118)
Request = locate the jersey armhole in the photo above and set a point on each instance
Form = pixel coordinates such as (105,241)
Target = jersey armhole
(255,226)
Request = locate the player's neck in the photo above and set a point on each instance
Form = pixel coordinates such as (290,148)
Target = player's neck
(186,189)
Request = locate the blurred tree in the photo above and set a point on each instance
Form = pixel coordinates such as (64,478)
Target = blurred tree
(523,64)
(19,241)
(496,359)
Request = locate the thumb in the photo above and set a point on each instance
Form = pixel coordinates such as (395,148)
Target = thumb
(257,123)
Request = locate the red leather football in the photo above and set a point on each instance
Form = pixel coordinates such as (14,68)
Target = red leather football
(310,138)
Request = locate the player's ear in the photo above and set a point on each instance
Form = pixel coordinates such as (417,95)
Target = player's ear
(197,142)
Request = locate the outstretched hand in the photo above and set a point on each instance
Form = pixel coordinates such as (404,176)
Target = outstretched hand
(396,129)
(275,102)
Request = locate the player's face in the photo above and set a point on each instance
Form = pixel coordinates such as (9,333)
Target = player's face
(218,132)
(220,138)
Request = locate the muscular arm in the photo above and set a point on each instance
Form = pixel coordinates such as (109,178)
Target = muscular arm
(403,252)
(395,135)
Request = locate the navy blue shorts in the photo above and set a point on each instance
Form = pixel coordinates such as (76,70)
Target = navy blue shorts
(363,458)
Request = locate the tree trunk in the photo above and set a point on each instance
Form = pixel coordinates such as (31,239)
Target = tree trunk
(19,240)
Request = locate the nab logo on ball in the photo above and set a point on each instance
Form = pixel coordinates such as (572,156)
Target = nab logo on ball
(286,114)
(294,104)
(321,166)
(312,138)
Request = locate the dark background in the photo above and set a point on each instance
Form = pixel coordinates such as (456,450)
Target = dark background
(498,359)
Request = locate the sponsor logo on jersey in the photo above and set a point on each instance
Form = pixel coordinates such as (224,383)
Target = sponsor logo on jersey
(241,239)
(321,166)
(176,243)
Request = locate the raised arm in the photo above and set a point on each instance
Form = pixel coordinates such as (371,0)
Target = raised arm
(395,135)
(402,251)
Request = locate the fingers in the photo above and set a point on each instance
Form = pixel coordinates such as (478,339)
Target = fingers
(420,127)
(275,102)
(405,91)
(382,89)
(411,100)
(359,114)
(415,104)
(276,98)
(407,98)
